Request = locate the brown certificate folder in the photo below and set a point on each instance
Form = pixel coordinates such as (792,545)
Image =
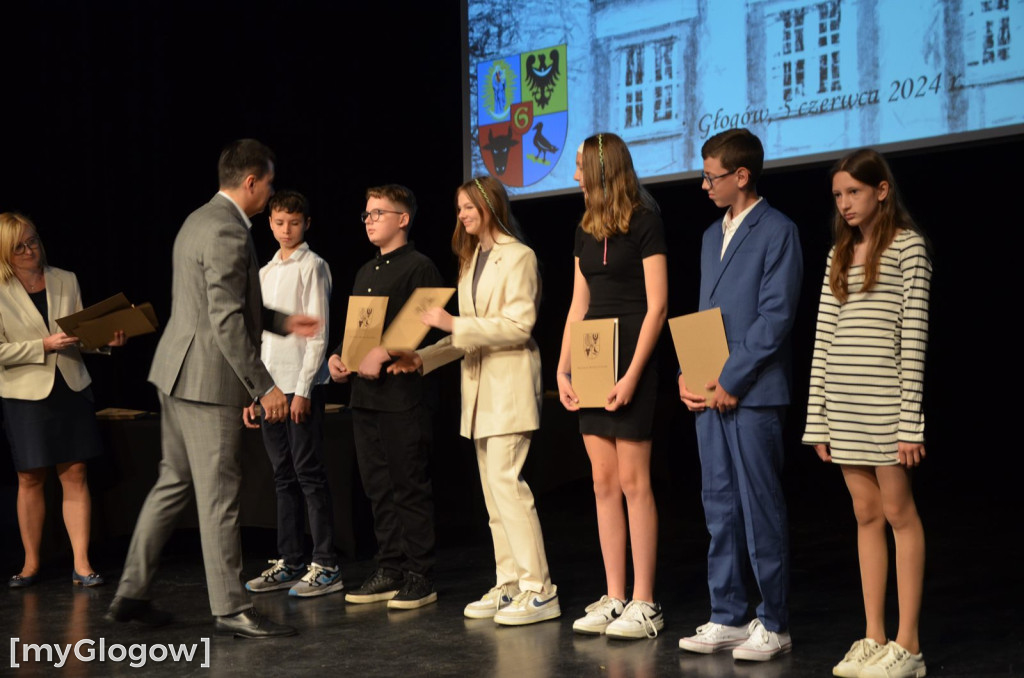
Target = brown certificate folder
(701,348)
(363,326)
(95,326)
(594,347)
(406,331)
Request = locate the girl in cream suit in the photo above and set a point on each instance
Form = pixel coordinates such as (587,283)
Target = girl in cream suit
(48,411)
(499,293)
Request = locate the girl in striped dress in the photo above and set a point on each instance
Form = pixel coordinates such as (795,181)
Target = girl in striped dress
(864,410)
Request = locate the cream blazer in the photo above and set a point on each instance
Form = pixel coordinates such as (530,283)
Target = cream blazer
(26,372)
(501,384)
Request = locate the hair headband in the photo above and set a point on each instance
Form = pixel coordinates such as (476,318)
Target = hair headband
(487,199)
(604,189)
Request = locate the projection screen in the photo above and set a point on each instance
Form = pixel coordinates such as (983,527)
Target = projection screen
(812,79)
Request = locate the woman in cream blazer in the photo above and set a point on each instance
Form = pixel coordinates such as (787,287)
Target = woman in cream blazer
(47,405)
(499,293)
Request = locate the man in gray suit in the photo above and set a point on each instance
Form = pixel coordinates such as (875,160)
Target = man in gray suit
(206,368)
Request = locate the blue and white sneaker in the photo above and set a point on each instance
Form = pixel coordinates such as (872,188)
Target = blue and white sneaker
(496,599)
(318,581)
(279,575)
(529,607)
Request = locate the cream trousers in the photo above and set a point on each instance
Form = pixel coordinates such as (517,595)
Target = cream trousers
(515,528)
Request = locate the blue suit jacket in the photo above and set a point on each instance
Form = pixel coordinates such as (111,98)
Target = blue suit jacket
(757,286)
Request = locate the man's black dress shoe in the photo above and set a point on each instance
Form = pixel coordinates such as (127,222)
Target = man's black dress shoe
(131,609)
(250,624)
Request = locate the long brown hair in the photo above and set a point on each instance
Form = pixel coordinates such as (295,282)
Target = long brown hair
(613,188)
(868,167)
(491,201)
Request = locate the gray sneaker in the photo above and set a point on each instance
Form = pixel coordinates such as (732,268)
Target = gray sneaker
(279,575)
(318,581)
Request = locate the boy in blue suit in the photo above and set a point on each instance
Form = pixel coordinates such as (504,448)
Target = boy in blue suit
(751,268)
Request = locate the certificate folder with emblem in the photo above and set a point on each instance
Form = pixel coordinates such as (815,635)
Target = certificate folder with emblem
(594,346)
(406,331)
(364,325)
(95,326)
(701,348)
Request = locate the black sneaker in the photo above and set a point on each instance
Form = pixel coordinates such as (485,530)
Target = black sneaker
(380,586)
(416,591)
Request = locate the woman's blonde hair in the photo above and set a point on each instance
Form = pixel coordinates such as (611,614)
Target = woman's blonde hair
(613,190)
(12,225)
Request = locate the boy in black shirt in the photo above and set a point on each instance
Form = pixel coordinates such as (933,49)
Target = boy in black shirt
(392,427)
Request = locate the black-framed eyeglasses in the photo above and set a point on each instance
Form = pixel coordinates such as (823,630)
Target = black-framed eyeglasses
(711,178)
(23,247)
(374,215)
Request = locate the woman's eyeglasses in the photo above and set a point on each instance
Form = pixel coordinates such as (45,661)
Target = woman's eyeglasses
(26,245)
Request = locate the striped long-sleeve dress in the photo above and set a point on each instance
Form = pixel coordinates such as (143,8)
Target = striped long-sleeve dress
(868,366)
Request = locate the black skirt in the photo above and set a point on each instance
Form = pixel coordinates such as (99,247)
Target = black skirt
(58,429)
(635,421)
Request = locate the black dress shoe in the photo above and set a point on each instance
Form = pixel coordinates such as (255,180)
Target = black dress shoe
(250,624)
(131,609)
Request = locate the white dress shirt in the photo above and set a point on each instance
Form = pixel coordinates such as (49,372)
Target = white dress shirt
(731,224)
(299,284)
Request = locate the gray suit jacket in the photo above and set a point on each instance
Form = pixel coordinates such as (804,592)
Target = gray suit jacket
(210,349)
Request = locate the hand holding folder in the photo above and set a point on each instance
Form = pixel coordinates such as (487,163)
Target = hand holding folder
(594,349)
(702,350)
(98,325)
(364,325)
(407,331)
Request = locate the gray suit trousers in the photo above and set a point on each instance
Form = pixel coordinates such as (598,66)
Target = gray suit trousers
(201,445)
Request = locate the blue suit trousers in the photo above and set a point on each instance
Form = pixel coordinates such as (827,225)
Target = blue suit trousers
(741,456)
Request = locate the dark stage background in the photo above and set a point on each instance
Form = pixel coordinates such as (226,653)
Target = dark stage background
(115,114)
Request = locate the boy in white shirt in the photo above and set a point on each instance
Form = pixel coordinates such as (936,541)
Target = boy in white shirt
(296,278)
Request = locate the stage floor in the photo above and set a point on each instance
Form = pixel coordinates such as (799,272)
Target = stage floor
(971,624)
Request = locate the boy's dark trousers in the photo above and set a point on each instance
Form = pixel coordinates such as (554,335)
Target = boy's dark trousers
(295,451)
(392,449)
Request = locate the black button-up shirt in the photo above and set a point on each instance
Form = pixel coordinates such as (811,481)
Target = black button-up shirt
(393,275)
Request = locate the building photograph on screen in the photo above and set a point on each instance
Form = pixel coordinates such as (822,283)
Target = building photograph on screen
(811,78)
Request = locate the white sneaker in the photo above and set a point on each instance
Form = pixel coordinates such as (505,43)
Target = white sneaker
(894,662)
(639,620)
(599,615)
(529,607)
(861,652)
(492,601)
(762,644)
(712,637)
